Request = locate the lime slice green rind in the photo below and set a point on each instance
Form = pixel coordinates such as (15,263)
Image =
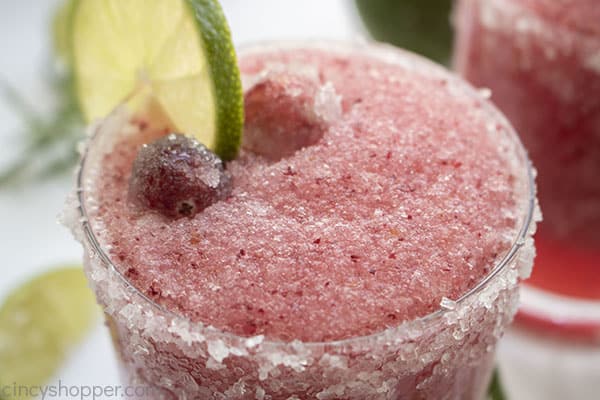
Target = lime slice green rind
(222,60)
(40,322)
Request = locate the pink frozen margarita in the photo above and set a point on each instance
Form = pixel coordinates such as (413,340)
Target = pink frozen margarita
(374,193)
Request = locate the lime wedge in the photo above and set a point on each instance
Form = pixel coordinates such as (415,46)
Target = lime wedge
(61,23)
(39,323)
(179,51)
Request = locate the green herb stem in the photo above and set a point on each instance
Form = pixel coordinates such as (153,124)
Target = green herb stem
(48,141)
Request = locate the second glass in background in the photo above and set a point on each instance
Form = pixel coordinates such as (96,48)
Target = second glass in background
(541,60)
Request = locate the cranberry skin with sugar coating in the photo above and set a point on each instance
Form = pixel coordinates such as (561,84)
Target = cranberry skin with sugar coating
(178,177)
(280,116)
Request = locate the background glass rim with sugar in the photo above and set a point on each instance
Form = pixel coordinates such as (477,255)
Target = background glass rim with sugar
(530,9)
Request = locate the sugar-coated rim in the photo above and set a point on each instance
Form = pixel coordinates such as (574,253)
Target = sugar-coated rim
(557,25)
(387,53)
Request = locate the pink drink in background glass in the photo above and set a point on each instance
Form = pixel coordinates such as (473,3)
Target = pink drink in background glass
(380,261)
(541,59)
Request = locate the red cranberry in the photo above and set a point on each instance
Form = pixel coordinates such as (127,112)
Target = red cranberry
(178,177)
(281,116)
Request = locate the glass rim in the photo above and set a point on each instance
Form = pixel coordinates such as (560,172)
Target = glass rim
(370,48)
(556,25)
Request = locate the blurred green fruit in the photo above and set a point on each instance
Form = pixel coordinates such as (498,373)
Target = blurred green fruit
(40,322)
(422,26)
(61,27)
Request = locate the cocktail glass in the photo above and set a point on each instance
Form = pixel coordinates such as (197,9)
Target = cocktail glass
(448,354)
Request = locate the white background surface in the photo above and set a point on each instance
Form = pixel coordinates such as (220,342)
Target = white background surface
(31,240)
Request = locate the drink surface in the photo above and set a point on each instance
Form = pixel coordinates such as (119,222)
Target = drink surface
(541,59)
(410,195)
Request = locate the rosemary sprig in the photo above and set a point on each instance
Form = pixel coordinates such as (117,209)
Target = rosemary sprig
(48,140)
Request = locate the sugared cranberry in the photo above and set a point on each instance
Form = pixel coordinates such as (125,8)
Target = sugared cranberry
(282,115)
(178,177)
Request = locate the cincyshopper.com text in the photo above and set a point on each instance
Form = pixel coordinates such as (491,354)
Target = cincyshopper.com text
(72,392)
